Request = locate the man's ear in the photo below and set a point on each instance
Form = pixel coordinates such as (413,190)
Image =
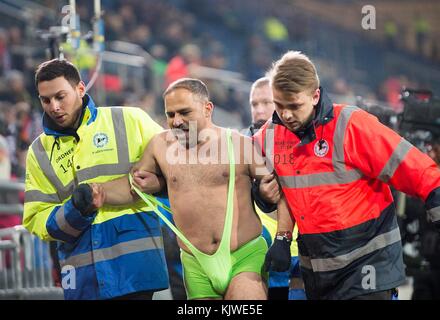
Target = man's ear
(81,87)
(208,108)
(316,96)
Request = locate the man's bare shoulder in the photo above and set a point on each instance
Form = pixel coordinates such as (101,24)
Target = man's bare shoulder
(237,135)
(244,140)
(245,145)
(160,143)
(162,137)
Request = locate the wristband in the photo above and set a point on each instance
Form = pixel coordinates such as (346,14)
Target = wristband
(284,235)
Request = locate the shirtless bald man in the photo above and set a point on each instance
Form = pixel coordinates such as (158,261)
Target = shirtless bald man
(197,174)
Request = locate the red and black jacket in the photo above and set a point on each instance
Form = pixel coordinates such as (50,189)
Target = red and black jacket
(335,178)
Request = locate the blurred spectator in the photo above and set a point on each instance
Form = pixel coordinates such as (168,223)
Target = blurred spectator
(5,162)
(24,124)
(262,108)
(216,56)
(342,89)
(142,36)
(390,30)
(277,33)
(15,90)
(114,26)
(146,101)
(159,53)
(257,57)
(84,57)
(254,31)
(6,219)
(180,65)
(5,57)
(231,100)
(129,19)
(9,128)
(421,30)
(391,90)
(173,36)
(19,130)
(15,42)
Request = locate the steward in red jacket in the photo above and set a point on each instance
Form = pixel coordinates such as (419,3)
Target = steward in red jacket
(334,164)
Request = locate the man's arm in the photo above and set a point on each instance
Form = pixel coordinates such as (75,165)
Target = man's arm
(45,214)
(118,192)
(146,177)
(278,257)
(146,173)
(265,188)
(254,159)
(399,163)
(285,221)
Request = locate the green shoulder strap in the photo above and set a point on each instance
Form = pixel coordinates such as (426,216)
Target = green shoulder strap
(153,203)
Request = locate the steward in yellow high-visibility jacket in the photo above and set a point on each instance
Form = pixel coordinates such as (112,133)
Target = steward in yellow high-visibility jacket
(110,252)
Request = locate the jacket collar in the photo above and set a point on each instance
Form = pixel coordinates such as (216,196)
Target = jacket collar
(253,129)
(52,129)
(324,113)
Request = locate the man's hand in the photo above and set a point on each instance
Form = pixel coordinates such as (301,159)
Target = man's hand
(98,195)
(86,198)
(269,189)
(146,181)
(278,256)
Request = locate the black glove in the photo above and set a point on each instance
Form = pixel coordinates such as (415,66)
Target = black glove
(82,199)
(278,257)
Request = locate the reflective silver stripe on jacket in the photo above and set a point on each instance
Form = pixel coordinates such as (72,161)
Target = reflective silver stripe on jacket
(43,161)
(119,128)
(37,195)
(63,192)
(395,160)
(338,157)
(113,252)
(339,176)
(64,225)
(319,179)
(379,242)
(304,261)
(102,170)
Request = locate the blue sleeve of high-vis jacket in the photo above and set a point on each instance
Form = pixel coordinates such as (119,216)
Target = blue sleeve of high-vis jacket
(65,223)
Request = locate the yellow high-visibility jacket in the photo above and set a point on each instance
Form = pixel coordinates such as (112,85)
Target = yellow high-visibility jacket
(117,250)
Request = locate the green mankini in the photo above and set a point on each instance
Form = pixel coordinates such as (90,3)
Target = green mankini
(208,276)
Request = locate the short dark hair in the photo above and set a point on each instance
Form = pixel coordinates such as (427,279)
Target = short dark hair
(195,86)
(55,68)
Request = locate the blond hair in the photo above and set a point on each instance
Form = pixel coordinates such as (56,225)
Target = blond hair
(294,73)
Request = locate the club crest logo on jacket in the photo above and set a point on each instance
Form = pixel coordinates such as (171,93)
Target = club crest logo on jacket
(321,148)
(100,140)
